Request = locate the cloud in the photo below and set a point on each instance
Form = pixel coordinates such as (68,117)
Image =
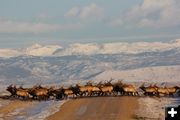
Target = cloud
(72,12)
(152,13)
(117,22)
(43,16)
(7,26)
(90,12)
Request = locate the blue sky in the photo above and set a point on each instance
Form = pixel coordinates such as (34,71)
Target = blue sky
(24,22)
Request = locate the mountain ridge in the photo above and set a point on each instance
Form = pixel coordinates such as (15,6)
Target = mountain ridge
(91,49)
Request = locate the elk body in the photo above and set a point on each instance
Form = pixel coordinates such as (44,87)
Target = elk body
(57,93)
(99,89)
(39,93)
(22,93)
(82,90)
(117,88)
(96,90)
(129,89)
(66,92)
(106,90)
(11,90)
(162,91)
(173,90)
(16,92)
(150,90)
(85,90)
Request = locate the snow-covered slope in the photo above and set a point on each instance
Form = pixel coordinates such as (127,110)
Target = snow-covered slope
(34,50)
(119,47)
(52,70)
(51,64)
(150,74)
(92,49)
(39,50)
(9,53)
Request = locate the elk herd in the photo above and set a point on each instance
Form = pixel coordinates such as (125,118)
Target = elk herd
(89,89)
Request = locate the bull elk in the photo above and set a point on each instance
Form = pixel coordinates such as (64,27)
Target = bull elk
(21,93)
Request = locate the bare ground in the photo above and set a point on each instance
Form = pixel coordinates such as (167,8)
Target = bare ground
(97,108)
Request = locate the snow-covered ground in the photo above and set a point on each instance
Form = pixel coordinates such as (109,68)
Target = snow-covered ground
(34,111)
(169,74)
(153,108)
(28,70)
(43,110)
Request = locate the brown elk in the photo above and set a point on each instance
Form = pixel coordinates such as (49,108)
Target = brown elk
(11,89)
(21,93)
(91,89)
(106,88)
(82,89)
(117,87)
(167,91)
(85,90)
(75,90)
(173,90)
(150,90)
(67,92)
(129,89)
(96,90)
(39,92)
(162,91)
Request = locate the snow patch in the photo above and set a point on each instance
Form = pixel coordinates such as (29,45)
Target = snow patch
(44,109)
(152,108)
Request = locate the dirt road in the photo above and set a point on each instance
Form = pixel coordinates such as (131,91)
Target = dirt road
(97,108)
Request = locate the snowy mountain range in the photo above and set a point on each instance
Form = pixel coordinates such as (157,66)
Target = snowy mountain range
(91,49)
(51,64)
